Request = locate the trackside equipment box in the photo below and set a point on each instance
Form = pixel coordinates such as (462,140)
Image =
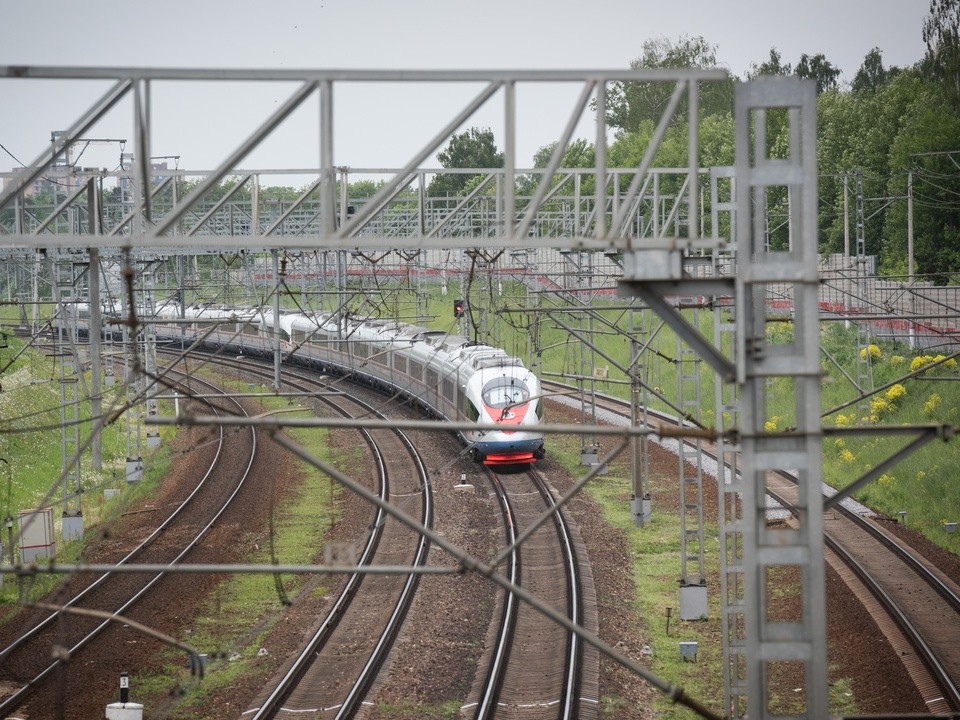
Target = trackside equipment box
(36,534)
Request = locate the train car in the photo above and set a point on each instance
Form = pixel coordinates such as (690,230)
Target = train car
(449,375)
(452,377)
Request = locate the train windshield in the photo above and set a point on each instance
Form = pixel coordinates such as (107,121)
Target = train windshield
(504,392)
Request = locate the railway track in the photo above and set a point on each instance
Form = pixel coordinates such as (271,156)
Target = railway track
(526,674)
(915,605)
(334,670)
(25,664)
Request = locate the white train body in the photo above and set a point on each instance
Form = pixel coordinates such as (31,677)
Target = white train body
(454,378)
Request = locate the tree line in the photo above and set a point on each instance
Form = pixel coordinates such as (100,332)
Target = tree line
(889,128)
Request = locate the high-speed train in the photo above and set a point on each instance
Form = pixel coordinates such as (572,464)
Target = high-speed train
(454,378)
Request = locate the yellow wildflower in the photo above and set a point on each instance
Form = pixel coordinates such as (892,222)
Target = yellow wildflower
(896,392)
(933,402)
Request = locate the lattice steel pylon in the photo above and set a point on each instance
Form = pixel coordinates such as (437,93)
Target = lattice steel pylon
(729,481)
(150,356)
(693,581)
(780,554)
(863,359)
(63,284)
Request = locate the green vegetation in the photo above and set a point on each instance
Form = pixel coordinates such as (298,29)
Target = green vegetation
(921,484)
(30,445)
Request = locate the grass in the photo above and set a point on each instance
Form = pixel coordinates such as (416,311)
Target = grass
(919,484)
(449,710)
(654,565)
(31,446)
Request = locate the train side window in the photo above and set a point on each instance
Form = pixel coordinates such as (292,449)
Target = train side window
(416,369)
(470,410)
(448,390)
(432,379)
(361,350)
(400,364)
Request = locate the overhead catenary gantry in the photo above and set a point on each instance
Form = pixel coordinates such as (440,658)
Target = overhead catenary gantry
(664,256)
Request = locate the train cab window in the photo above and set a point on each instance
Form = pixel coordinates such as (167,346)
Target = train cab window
(504,391)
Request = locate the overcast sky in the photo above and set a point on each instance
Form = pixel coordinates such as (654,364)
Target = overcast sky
(202,124)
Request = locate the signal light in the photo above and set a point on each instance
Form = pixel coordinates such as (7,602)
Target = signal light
(458,308)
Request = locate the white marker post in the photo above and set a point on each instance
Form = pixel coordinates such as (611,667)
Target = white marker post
(124,710)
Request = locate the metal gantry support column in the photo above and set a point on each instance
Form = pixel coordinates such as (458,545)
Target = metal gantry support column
(579,267)
(95,330)
(729,480)
(777,558)
(730,519)
(277,285)
(640,504)
(133,381)
(150,356)
(62,285)
(693,581)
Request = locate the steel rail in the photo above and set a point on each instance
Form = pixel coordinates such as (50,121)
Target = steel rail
(487,705)
(570,701)
(675,693)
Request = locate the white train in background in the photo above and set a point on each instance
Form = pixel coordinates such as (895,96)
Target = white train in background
(451,376)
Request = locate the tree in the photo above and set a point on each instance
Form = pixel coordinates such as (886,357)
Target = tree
(941,33)
(818,68)
(579,154)
(926,144)
(629,104)
(474,148)
(871,74)
(773,66)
